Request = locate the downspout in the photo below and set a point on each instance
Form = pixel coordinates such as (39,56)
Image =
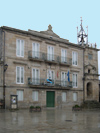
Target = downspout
(4,71)
(83,76)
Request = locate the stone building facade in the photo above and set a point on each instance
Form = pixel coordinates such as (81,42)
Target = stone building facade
(46,70)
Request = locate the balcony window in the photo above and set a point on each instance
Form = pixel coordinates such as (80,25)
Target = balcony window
(35,76)
(74,78)
(50,53)
(20,48)
(35,50)
(63,56)
(74,58)
(19,75)
(64,79)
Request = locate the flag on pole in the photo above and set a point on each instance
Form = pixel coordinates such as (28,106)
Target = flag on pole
(68,76)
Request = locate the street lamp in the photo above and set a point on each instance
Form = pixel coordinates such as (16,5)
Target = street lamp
(5,67)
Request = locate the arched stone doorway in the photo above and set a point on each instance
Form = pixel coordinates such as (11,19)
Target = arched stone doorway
(89,90)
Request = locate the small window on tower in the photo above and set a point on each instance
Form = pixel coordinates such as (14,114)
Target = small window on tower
(90,56)
(88,70)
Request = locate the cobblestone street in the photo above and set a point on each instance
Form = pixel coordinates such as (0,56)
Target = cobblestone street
(50,121)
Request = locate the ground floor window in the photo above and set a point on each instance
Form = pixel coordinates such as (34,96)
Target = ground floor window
(35,95)
(75,96)
(64,96)
(20,95)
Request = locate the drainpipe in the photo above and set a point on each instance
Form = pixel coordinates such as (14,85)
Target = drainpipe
(83,71)
(83,76)
(4,71)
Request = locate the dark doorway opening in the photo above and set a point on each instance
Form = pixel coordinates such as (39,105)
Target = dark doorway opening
(89,89)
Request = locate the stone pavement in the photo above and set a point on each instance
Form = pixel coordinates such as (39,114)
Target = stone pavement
(50,121)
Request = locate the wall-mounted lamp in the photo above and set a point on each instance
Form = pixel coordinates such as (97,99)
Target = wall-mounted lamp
(5,67)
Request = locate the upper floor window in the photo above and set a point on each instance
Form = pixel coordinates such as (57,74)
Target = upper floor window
(20,48)
(50,77)
(64,78)
(35,50)
(74,58)
(35,76)
(74,79)
(50,53)
(50,74)
(90,56)
(19,75)
(63,55)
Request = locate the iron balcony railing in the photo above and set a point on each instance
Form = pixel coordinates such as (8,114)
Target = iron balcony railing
(74,62)
(32,81)
(46,82)
(52,58)
(65,60)
(63,83)
(36,55)
(74,84)
(49,57)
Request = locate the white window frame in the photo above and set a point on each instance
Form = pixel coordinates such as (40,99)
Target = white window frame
(75,99)
(38,50)
(65,51)
(20,48)
(51,71)
(19,75)
(50,58)
(73,58)
(22,95)
(74,86)
(64,97)
(35,82)
(63,83)
(36,98)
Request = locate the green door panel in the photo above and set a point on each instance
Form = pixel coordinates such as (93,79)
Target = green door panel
(50,98)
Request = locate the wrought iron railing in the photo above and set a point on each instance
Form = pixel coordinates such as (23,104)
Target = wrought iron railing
(74,84)
(49,57)
(74,62)
(65,60)
(32,81)
(46,82)
(36,55)
(52,57)
(63,83)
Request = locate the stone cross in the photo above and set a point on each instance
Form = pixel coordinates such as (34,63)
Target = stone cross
(50,27)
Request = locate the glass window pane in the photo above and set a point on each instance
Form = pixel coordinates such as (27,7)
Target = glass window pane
(22,75)
(22,48)
(20,95)
(18,47)
(35,95)
(74,96)
(64,96)
(18,74)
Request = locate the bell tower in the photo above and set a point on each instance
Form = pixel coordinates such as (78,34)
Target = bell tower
(82,37)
